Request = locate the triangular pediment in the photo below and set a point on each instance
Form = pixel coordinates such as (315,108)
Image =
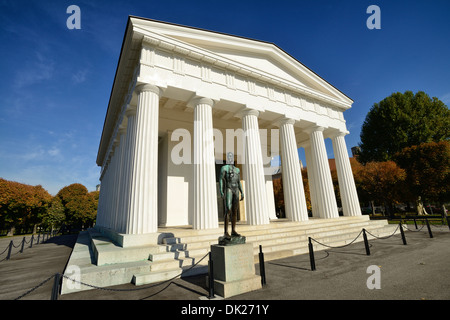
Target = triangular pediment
(262,56)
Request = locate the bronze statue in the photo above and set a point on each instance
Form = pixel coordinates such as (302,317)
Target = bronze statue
(230,186)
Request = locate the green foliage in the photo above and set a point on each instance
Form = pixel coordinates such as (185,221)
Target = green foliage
(402,120)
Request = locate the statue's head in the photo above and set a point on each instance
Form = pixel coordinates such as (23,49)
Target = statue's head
(230,158)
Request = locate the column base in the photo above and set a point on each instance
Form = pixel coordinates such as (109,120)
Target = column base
(131,240)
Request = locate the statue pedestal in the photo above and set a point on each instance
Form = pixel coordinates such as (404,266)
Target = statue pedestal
(234,269)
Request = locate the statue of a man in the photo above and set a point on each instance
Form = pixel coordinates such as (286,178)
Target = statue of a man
(230,186)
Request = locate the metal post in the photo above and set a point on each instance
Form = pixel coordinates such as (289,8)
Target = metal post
(262,269)
(402,233)
(448,222)
(429,229)
(8,256)
(311,255)
(415,223)
(23,244)
(366,242)
(55,289)
(211,277)
(31,242)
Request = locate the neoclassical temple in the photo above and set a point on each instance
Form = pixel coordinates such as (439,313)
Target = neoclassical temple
(182,98)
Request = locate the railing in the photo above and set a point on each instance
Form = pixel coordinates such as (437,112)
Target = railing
(23,242)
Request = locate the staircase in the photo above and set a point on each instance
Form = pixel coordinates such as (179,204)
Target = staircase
(279,239)
(183,249)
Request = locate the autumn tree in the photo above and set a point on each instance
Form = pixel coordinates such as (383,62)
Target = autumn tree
(379,182)
(80,206)
(427,169)
(22,204)
(402,120)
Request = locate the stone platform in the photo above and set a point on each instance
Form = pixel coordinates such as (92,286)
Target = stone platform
(234,269)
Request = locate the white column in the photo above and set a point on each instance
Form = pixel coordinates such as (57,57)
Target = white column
(326,199)
(126,175)
(311,180)
(120,151)
(205,193)
(294,193)
(255,189)
(347,188)
(143,171)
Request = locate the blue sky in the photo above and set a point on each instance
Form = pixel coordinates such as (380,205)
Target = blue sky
(55,82)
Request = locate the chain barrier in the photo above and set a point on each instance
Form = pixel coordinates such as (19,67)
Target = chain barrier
(366,243)
(104,288)
(24,241)
(32,289)
(337,247)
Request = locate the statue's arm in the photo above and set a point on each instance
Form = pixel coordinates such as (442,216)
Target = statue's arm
(221,179)
(240,185)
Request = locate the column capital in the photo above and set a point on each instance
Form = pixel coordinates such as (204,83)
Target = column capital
(283,121)
(339,133)
(314,129)
(249,112)
(146,87)
(130,110)
(195,101)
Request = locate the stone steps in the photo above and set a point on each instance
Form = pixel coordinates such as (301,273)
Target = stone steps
(103,263)
(278,240)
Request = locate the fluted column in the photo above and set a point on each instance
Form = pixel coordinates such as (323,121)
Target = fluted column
(256,195)
(118,183)
(205,193)
(326,199)
(347,187)
(142,214)
(294,193)
(127,165)
(311,180)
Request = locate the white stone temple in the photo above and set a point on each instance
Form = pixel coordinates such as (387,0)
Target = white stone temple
(159,152)
(182,99)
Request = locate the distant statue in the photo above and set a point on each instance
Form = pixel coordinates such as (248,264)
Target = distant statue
(420,209)
(230,186)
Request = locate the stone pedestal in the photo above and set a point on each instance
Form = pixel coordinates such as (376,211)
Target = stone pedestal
(234,269)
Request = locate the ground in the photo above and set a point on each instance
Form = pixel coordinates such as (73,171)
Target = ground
(416,271)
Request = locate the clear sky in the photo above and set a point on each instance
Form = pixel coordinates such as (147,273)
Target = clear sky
(55,83)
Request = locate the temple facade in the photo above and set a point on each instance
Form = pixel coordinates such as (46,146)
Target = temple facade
(182,98)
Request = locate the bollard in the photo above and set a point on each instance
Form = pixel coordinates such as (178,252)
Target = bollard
(262,269)
(31,241)
(23,244)
(415,223)
(429,229)
(311,255)
(211,277)
(448,221)
(366,242)
(402,233)
(8,256)
(55,289)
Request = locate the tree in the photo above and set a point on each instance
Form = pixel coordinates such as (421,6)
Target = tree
(55,214)
(427,167)
(21,204)
(80,206)
(402,120)
(379,182)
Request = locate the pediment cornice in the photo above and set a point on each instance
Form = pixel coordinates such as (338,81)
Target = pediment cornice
(208,57)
